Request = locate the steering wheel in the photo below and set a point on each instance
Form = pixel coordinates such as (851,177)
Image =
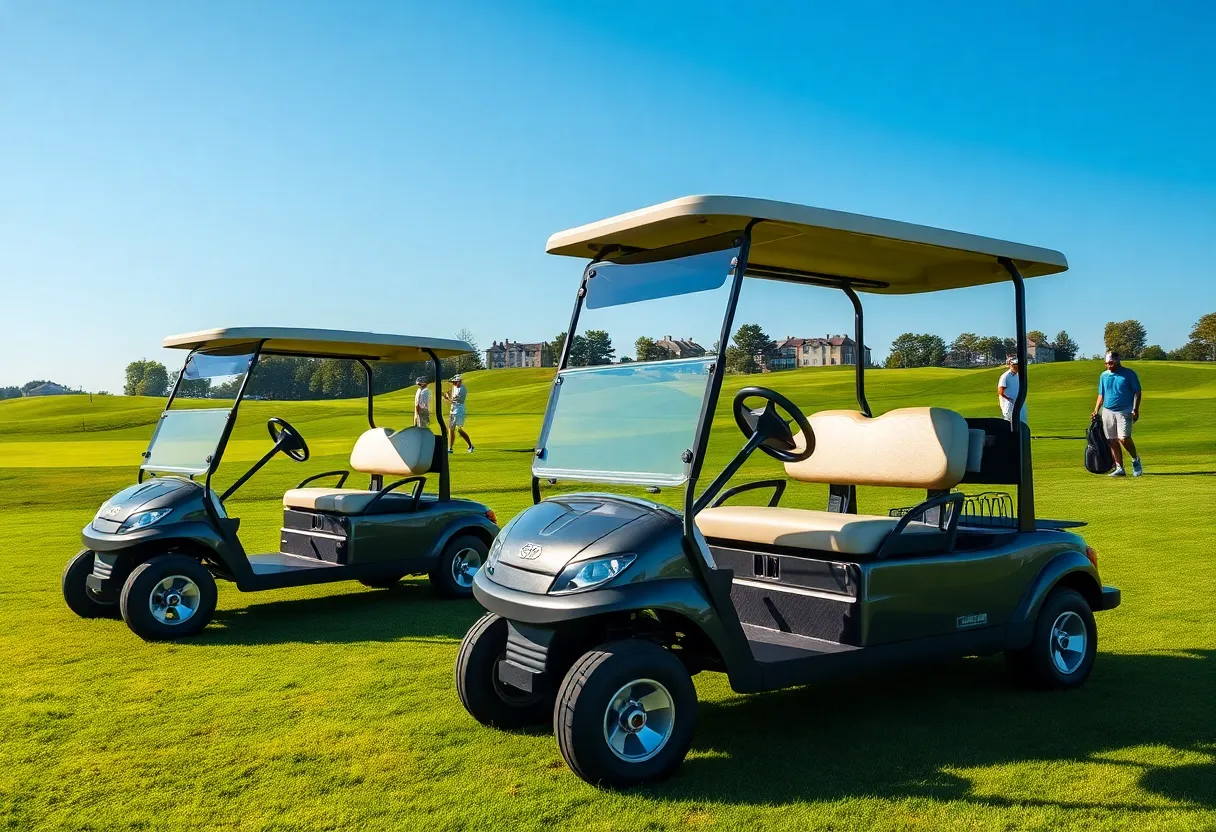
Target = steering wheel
(287,439)
(776,438)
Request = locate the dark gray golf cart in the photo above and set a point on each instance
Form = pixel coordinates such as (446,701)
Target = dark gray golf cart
(153,551)
(602,606)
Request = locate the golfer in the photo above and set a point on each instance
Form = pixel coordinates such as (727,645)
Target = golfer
(1007,389)
(456,396)
(1119,404)
(422,404)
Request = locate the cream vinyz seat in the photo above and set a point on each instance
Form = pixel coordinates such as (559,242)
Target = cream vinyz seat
(916,447)
(405,453)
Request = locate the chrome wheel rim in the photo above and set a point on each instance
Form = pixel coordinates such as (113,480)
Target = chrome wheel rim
(174,600)
(465,566)
(1068,642)
(639,720)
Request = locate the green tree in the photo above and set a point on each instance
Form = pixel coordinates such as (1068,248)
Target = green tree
(1153,352)
(1190,351)
(556,345)
(1066,348)
(1127,338)
(1037,336)
(10,392)
(1203,333)
(578,352)
(599,347)
(647,350)
(894,360)
(919,350)
(965,350)
(991,349)
(751,346)
(146,378)
(191,388)
(470,362)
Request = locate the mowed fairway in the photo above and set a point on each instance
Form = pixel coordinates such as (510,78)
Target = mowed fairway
(334,707)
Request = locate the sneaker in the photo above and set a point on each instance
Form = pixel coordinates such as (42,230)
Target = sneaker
(471,451)
(1118,472)
(1137,468)
(451,450)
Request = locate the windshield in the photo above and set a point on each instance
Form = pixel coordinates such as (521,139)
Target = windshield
(189,431)
(629,423)
(617,418)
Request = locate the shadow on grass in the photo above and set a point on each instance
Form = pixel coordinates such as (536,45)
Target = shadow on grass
(408,611)
(909,735)
(1179,473)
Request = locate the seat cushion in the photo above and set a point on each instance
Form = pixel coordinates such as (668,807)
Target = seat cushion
(333,500)
(403,453)
(823,531)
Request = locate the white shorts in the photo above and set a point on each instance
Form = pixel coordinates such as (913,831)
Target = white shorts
(456,417)
(1116,425)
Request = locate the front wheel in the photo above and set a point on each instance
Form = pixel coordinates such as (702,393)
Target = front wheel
(1065,643)
(459,562)
(625,714)
(168,597)
(484,696)
(76,593)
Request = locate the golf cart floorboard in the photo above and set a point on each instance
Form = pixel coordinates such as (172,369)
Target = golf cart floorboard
(770,646)
(276,562)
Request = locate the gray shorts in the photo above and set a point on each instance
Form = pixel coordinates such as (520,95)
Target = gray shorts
(1116,425)
(422,419)
(457,417)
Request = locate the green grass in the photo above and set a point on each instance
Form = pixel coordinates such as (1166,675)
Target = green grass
(333,707)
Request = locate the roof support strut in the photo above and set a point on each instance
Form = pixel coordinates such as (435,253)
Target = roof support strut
(859,357)
(1021,431)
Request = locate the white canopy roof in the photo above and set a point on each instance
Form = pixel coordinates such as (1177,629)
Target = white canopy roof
(373,346)
(891,257)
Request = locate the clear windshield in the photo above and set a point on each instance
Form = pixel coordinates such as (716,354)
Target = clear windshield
(185,440)
(629,423)
(189,431)
(633,419)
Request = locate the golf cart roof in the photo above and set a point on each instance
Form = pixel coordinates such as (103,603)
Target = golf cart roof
(802,243)
(372,346)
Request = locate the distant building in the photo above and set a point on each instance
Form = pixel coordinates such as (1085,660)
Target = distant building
(500,356)
(813,352)
(1037,353)
(49,388)
(681,347)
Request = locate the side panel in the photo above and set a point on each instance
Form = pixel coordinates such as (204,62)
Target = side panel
(381,538)
(920,597)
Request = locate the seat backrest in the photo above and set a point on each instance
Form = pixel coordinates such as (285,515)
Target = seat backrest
(913,447)
(405,453)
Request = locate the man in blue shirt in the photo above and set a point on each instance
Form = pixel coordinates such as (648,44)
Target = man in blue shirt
(1119,404)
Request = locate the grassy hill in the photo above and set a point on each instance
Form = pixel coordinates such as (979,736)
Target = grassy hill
(333,707)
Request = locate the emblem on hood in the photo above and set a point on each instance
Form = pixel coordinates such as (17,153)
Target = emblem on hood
(113,511)
(529,551)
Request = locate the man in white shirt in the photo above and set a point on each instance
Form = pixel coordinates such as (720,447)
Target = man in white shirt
(456,396)
(422,404)
(1007,389)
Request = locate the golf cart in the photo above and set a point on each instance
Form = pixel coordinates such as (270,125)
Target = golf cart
(602,606)
(154,549)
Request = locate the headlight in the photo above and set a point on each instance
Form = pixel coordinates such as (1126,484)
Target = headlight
(142,520)
(588,573)
(495,551)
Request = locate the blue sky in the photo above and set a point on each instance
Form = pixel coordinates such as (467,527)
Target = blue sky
(166,167)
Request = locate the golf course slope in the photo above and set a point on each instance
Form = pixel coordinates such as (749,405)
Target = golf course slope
(334,707)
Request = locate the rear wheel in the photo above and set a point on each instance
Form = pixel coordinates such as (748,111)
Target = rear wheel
(168,597)
(1061,654)
(625,714)
(487,699)
(461,558)
(76,593)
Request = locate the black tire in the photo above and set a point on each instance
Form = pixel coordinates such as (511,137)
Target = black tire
(444,576)
(485,698)
(1043,664)
(387,582)
(582,717)
(80,599)
(142,590)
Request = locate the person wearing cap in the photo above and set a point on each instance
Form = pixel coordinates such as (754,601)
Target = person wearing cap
(1007,389)
(456,396)
(422,404)
(1119,404)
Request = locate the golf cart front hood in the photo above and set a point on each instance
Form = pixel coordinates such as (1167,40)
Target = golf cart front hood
(154,493)
(554,532)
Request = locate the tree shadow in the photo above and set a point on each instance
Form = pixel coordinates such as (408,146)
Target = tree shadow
(1078,438)
(907,735)
(412,610)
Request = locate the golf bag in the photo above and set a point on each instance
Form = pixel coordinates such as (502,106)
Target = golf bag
(1098,457)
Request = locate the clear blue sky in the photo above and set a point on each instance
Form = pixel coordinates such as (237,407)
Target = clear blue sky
(166,167)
